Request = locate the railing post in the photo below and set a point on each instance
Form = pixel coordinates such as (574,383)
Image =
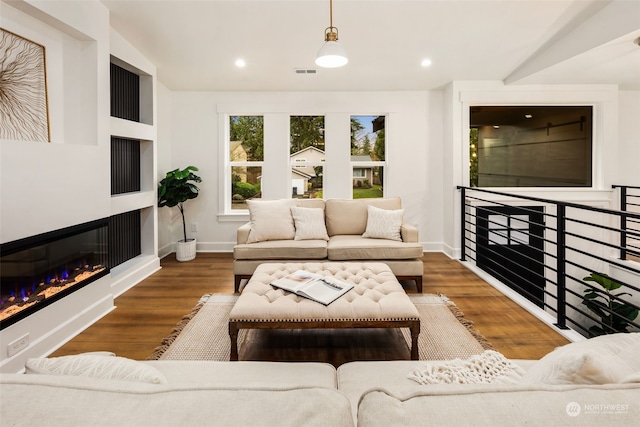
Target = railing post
(561,267)
(623,223)
(463,226)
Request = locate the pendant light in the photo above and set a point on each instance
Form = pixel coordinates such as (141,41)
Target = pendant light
(331,54)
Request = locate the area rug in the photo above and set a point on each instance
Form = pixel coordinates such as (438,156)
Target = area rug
(203,334)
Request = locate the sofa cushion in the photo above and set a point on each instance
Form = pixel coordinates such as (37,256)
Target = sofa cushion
(36,400)
(349,247)
(309,223)
(345,216)
(503,405)
(601,360)
(356,378)
(383,223)
(282,250)
(96,366)
(271,220)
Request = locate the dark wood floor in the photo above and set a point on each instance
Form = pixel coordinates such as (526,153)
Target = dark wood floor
(149,311)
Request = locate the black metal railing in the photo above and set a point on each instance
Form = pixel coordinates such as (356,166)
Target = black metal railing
(629,226)
(561,256)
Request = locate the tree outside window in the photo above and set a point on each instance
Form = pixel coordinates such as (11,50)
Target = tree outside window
(368,156)
(246,155)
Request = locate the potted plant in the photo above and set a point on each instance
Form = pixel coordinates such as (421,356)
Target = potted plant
(173,190)
(615,315)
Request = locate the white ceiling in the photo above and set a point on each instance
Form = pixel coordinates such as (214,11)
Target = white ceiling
(194,44)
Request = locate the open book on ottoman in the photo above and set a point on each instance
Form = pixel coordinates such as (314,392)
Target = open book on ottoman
(316,287)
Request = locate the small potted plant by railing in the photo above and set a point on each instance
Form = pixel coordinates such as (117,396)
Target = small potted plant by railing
(614,314)
(174,189)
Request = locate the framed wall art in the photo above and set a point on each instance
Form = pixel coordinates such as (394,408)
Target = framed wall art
(24,112)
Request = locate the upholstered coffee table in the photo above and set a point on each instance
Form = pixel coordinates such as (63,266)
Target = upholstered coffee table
(377,300)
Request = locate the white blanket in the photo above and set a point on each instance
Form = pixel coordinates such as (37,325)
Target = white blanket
(489,367)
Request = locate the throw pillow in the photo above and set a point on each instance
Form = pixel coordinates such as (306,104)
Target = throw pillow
(96,366)
(607,359)
(270,220)
(383,223)
(309,223)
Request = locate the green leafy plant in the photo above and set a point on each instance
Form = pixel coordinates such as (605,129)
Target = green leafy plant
(177,187)
(615,315)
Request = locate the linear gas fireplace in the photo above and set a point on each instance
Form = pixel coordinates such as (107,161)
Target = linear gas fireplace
(42,269)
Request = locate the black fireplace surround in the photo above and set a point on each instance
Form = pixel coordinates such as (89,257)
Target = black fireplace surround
(39,270)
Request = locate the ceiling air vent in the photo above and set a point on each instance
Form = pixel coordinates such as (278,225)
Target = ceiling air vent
(305,70)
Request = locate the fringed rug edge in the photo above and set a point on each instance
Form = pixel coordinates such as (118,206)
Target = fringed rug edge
(466,323)
(177,329)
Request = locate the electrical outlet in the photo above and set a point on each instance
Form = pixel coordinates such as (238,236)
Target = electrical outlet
(194,227)
(18,345)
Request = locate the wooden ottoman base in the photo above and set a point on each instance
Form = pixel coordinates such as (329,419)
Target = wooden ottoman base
(376,301)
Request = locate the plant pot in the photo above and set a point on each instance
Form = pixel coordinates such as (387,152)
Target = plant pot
(185,250)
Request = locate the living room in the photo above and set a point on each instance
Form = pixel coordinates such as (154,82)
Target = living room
(65,181)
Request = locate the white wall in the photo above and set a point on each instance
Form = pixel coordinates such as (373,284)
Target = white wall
(164,144)
(413,145)
(627,171)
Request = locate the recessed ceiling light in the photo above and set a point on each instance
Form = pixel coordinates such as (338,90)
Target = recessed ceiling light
(528,116)
(425,62)
(240,63)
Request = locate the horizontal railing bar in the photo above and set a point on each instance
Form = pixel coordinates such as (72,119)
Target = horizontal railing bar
(548,201)
(523,267)
(592,240)
(582,282)
(591,224)
(515,286)
(625,186)
(543,239)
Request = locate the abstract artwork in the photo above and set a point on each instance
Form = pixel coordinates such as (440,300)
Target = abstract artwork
(23,89)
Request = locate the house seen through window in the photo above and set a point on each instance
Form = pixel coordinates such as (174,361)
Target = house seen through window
(306,156)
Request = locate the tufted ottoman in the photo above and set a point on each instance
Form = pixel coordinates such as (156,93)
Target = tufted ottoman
(376,301)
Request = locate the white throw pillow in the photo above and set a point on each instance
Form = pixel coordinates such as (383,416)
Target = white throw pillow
(309,223)
(607,359)
(271,220)
(383,223)
(96,366)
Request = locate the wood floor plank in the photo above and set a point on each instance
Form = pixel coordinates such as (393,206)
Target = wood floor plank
(148,312)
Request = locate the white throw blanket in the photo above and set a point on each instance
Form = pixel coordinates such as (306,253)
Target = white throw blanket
(489,367)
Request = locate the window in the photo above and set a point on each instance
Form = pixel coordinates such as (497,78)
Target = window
(508,230)
(359,173)
(536,146)
(367,156)
(297,171)
(246,155)
(306,156)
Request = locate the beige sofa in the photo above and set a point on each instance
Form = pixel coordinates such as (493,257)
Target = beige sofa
(345,222)
(593,383)
(192,393)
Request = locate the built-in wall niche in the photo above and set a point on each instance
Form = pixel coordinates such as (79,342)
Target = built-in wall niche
(125,165)
(125,233)
(131,93)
